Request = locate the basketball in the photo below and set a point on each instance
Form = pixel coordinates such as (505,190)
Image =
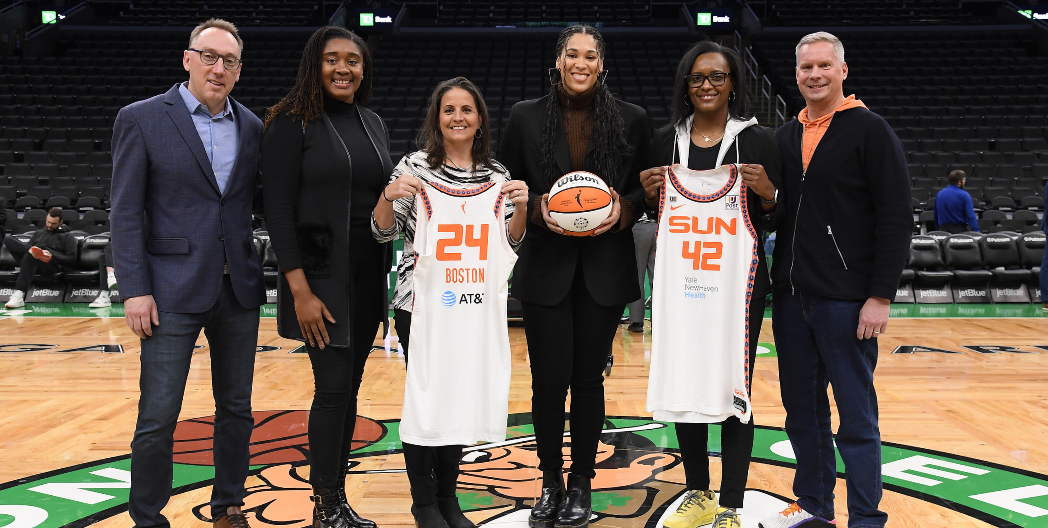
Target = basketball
(579,201)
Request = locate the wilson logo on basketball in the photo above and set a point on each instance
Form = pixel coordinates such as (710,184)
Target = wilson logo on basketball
(579,202)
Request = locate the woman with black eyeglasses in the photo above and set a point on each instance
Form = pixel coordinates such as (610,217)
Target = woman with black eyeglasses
(325,160)
(711,125)
(573,289)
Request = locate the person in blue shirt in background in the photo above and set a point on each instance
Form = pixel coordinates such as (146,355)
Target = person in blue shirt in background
(954,212)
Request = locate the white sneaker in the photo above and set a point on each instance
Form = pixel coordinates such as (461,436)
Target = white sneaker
(788,518)
(102,301)
(111,280)
(17,300)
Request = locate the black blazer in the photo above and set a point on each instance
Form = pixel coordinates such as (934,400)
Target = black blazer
(757,145)
(307,179)
(546,261)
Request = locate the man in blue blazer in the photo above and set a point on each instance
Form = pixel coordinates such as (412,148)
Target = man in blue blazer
(185,166)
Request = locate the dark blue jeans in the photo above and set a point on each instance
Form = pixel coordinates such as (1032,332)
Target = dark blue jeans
(232,335)
(816,344)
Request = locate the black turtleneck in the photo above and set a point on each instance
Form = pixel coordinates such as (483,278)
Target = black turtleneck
(368,179)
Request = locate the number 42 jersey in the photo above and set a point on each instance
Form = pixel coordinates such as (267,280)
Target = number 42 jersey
(457,387)
(704,272)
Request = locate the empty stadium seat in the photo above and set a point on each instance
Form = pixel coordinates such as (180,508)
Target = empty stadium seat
(91,250)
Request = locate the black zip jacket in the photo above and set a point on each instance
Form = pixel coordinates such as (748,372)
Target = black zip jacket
(846,231)
(59,242)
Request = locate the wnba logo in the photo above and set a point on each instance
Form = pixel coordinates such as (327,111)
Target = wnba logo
(448,299)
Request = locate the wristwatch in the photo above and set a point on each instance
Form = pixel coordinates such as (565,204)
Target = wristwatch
(774,198)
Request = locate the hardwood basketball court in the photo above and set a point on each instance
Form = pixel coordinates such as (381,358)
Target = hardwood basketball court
(964,419)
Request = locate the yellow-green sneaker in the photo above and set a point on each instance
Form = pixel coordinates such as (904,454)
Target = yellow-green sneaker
(697,509)
(727,519)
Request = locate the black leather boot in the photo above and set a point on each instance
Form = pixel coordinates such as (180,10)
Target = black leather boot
(428,517)
(353,517)
(452,513)
(327,509)
(578,504)
(548,506)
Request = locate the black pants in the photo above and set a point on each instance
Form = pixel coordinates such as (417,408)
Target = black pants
(28,266)
(736,438)
(337,373)
(568,345)
(103,264)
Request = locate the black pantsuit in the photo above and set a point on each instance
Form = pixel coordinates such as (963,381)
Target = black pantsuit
(572,289)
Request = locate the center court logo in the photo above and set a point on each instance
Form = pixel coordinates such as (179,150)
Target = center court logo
(448,299)
(638,479)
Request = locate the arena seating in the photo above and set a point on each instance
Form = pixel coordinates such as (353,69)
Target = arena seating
(465,13)
(827,13)
(955,265)
(188,13)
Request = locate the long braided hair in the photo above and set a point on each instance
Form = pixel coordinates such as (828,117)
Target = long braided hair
(306,100)
(609,135)
(431,140)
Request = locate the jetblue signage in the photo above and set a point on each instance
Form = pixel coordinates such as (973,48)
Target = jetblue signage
(373,19)
(719,18)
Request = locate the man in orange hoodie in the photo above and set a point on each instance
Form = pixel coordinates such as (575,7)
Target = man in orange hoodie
(841,247)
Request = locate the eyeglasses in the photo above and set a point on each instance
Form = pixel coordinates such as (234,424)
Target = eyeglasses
(229,63)
(695,80)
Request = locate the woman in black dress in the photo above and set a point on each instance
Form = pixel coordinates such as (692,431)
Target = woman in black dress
(325,160)
(712,125)
(573,289)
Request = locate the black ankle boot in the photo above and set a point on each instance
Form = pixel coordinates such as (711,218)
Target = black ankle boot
(548,506)
(352,516)
(578,504)
(428,517)
(327,509)
(452,513)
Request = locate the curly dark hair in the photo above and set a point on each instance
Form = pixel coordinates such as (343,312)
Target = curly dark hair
(431,140)
(609,135)
(306,100)
(682,108)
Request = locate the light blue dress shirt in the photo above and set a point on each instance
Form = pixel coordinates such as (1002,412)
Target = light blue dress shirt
(220,135)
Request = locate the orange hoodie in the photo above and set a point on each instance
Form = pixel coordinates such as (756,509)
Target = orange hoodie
(814,129)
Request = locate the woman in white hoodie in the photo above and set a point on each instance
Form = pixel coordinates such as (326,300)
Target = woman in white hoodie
(711,125)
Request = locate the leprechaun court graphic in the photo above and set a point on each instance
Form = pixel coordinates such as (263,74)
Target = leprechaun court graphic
(498,481)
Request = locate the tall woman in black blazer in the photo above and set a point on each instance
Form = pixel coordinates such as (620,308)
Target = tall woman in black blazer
(573,289)
(325,160)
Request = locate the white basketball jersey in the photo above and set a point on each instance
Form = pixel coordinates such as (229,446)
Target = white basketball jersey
(457,387)
(704,271)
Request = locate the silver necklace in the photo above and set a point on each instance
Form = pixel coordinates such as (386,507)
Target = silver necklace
(459,167)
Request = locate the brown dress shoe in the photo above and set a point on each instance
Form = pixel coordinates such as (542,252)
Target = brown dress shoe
(232,520)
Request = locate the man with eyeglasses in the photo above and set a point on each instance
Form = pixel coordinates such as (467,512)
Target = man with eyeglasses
(841,248)
(185,167)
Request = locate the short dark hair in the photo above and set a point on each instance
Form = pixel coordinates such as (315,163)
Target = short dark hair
(431,141)
(956,176)
(55,212)
(682,109)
